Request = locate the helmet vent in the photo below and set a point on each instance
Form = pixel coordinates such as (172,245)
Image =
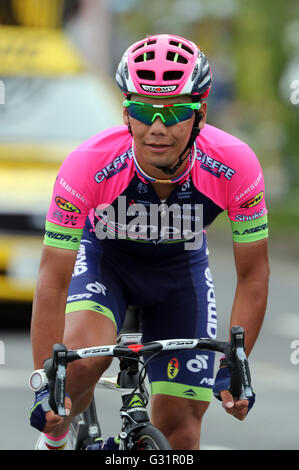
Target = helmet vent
(172,75)
(194,72)
(146,43)
(175,57)
(146,74)
(145,56)
(126,71)
(181,46)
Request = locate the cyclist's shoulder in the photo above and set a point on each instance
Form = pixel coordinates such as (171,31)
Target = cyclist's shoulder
(223,160)
(110,141)
(108,151)
(222,146)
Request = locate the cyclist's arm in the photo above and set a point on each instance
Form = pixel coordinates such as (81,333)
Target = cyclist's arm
(249,306)
(248,309)
(69,207)
(247,212)
(49,302)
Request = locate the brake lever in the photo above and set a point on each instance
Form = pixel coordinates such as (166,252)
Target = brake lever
(240,387)
(55,368)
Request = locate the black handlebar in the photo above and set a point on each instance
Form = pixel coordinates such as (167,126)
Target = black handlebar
(240,387)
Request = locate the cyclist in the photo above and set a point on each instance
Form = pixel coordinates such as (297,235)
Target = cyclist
(104,249)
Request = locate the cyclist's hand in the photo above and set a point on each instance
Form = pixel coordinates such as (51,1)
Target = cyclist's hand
(238,408)
(52,419)
(42,417)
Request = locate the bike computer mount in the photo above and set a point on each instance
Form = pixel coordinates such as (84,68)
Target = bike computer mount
(128,377)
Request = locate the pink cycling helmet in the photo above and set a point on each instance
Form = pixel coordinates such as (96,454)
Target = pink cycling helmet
(164,65)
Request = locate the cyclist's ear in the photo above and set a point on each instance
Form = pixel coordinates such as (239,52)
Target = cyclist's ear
(125,116)
(202,114)
(126,120)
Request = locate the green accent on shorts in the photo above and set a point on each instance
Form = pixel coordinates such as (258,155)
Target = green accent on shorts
(35,406)
(181,390)
(250,230)
(90,305)
(60,236)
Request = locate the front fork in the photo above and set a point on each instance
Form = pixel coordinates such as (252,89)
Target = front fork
(134,416)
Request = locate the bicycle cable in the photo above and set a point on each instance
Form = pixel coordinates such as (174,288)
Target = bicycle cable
(143,370)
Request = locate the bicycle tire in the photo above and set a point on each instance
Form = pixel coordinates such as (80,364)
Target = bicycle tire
(150,438)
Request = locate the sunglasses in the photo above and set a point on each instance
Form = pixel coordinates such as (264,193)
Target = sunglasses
(170,114)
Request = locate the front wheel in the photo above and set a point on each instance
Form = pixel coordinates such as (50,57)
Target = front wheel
(150,438)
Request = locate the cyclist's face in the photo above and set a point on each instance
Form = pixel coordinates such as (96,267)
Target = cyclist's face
(157,144)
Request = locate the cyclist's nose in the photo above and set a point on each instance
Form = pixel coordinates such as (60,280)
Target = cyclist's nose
(158,125)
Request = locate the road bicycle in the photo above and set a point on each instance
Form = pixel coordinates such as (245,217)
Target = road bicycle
(137,432)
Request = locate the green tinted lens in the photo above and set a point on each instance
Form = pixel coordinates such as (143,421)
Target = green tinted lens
(144,113)
(170,115)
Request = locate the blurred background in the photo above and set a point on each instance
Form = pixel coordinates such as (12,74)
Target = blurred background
(57,64)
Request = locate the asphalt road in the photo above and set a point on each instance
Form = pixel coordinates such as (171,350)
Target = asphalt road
(273,422)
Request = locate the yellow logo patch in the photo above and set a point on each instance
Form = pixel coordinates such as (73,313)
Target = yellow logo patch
(253,201)
(173,368)
(66,205)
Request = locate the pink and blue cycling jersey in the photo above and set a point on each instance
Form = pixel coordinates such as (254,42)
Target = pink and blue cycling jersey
(98,184)
(135,249)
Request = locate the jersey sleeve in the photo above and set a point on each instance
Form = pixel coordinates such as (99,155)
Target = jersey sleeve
(246,199)
(70,204)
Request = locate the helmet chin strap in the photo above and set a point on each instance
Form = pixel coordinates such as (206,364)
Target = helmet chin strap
(194,133)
